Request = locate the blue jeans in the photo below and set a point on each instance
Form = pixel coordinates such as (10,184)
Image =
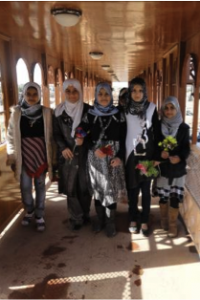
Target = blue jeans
(26,184)
(146,202)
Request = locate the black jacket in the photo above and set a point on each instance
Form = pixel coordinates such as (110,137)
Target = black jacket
(116,131)
(169,170)
(72,174)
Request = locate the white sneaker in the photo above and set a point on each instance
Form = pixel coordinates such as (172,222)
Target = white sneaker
(27,219)
(133,227)
(40,223)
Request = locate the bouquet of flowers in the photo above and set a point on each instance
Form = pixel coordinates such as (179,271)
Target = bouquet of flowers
(80,133)
(107,149)
(169,143)
(146,168)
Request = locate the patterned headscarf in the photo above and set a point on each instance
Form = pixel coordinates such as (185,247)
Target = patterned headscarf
(32,112)
(133,107)
(100,110)
(74,110)
(170,126)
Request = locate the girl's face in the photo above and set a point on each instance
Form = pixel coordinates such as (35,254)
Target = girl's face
(137,93)
(103,98)
(31,96)
(170,111)
(71,93)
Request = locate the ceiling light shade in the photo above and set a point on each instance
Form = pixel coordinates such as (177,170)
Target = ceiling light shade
(96,55)
(105,67)
(66,17)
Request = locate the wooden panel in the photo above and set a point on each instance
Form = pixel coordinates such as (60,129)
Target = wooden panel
(132,35)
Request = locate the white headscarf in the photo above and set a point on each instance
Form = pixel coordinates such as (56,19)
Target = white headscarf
(170,126)
(32,84)
(32,112)
(74,110)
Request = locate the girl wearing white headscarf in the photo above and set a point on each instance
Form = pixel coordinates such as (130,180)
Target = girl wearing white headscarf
(29,149)
(170,186)
(72,158)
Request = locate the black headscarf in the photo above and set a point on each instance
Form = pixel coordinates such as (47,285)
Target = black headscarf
(133,107)
(123,93)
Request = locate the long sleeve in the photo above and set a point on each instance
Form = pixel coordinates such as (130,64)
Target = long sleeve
(10,137)
(84,127)
(157,135)
(185,144)
(58,135)
(122,134)
(11,147)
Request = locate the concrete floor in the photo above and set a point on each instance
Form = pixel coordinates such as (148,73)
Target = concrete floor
(61,264)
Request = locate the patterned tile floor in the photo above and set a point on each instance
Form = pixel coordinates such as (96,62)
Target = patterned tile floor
(61,264)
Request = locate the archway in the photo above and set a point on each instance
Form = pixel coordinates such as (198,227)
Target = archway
(22,75)
(38,78)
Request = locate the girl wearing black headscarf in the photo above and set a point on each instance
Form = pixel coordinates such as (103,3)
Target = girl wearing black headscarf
(141,138)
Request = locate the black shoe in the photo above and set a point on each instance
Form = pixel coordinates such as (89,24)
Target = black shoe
(145,231)
(110,230)
(86,220)
(97,226)
(73,225)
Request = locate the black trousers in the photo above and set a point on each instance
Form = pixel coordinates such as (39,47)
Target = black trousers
(146,202)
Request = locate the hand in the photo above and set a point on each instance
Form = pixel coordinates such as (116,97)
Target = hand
(174,159)
(79,141)
(98,153)
(115,162)
(67,154)
(165,154)
(156,163)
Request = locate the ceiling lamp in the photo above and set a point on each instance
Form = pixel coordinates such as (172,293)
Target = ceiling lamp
(105,67)
(66,17)
(96,55)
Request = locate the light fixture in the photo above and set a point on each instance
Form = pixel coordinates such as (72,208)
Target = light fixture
(96,55)
(66,17)
(105,67)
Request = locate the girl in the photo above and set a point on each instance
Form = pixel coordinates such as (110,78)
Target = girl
(122,97)
(173,169)
(29,149)
(72,158)
(141,138)
(106,127)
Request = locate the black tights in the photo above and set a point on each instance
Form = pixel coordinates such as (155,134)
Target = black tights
(174,202)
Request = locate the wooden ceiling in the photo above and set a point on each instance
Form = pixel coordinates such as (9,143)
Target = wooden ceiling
(132,35)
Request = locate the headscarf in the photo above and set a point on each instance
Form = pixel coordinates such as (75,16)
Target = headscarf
(170,126)
(32,112)
(133,107)
(74,110)
(100,110)
(123,93)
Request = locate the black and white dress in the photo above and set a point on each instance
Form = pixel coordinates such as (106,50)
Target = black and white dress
(107,183)
(141,143)
(172,180)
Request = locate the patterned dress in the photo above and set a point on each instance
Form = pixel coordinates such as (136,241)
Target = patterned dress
(107,183)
